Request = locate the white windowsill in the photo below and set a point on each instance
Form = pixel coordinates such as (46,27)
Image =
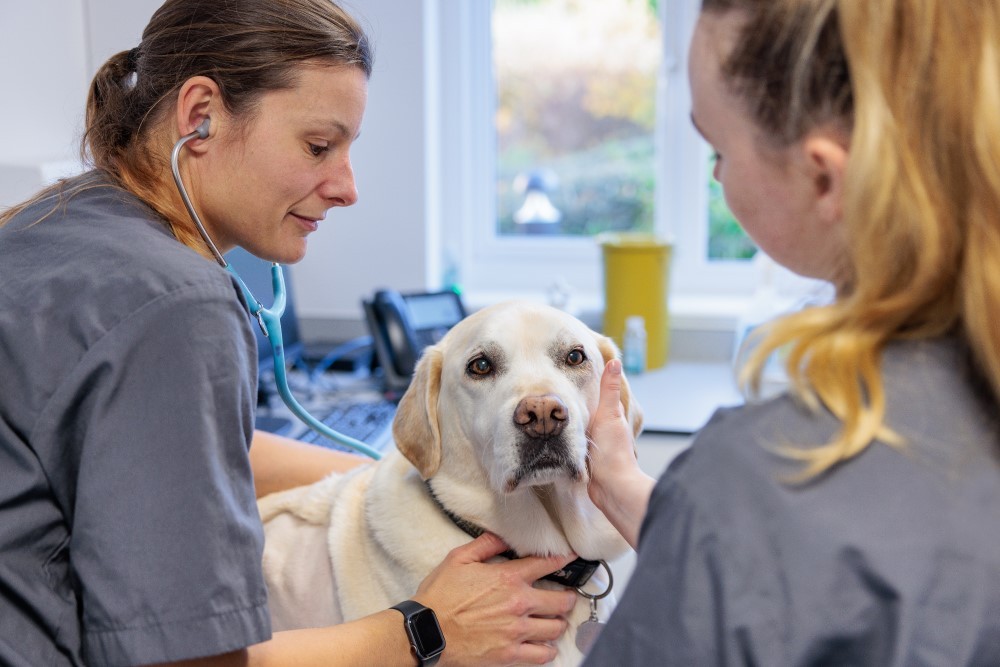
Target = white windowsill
(695,312)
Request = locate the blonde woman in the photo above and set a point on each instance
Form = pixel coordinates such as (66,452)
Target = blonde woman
(854,520)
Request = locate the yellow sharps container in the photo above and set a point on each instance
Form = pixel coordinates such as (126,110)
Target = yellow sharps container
(637,282)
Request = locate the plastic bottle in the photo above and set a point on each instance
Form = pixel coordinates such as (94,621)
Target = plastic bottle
(634,347)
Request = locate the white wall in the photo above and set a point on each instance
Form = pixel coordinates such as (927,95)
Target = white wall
(49,50)
(382,240)
(43,76)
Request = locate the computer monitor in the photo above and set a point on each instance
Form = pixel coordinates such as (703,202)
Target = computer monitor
(256,273)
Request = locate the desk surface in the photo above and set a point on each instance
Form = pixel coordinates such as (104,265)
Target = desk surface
(680,397)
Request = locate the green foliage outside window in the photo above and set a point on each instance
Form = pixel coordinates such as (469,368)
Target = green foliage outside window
(576,91)
(572,102)
(726,239)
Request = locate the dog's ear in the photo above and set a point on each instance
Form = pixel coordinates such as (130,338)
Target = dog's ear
(415,428)
(633,412)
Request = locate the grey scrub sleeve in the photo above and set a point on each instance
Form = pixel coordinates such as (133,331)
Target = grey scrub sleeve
(166,539)
(129,530)
(145,443)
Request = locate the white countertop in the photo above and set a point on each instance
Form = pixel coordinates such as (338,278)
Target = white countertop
(679,397)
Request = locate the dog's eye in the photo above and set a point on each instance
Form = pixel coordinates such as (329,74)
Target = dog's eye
(480,366)
(576,357)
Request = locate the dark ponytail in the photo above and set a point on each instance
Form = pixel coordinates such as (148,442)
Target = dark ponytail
(112,117)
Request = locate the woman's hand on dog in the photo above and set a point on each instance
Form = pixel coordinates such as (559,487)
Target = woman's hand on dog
(617,485)
(489,612)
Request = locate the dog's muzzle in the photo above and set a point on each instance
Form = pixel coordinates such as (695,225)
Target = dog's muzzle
(540,422)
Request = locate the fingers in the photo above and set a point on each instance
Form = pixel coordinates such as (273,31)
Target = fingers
(551,604)
(612,377)
(535,654)
(543,602)
(610,402)
(540,635)
(533,568)
(481,549)
(546,629)
(608,425)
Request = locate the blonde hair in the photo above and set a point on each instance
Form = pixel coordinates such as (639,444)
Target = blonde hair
(919,89)
(248,47)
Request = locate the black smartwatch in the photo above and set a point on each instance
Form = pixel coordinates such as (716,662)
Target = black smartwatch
(422,628)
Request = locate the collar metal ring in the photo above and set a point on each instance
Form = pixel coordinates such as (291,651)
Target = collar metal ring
(607,591)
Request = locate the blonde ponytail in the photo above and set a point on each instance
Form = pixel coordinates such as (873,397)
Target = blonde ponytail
(922,202)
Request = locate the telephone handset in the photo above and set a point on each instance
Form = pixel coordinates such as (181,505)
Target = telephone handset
(402,325)
(399,334)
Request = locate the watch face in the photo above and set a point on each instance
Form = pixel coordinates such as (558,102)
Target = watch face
(426,633)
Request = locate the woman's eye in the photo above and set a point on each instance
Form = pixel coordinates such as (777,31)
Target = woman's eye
(715,157)
(480,366)
(576,357)
(317,150)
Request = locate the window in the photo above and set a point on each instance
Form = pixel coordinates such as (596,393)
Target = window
(562,119)
(575,115)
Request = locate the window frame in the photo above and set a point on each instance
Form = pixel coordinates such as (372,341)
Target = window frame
(488,264)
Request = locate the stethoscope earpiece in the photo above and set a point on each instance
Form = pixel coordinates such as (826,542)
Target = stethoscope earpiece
(202,129)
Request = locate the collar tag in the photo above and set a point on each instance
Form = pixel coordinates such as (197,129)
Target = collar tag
(575,574)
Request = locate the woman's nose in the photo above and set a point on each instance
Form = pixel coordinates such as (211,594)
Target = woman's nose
(339,187)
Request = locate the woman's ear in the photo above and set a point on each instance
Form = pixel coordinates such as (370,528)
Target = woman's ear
(197,99)
(826,151)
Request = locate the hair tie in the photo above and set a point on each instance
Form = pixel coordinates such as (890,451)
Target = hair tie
(132,59)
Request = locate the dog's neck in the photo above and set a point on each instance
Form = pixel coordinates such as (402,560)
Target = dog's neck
(573,575)
(519,517)
(469,528)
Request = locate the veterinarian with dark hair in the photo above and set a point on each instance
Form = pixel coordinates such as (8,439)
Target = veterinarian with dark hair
(853,520)
(129,532)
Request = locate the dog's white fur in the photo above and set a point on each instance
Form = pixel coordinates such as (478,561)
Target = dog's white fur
(356,543)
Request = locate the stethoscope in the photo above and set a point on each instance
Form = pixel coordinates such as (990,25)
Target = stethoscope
(269,319)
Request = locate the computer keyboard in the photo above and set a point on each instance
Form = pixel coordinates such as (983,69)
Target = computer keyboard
(367,421)
(273,424)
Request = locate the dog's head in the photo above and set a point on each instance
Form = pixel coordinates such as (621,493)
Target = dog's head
(508,391)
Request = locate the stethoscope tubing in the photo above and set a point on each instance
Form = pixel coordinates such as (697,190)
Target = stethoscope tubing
(269,319)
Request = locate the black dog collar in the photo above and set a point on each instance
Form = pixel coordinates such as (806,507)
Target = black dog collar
(573,575)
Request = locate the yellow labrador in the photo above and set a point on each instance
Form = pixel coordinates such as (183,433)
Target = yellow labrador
(490,434)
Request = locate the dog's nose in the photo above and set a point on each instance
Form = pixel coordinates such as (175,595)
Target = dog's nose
(541,416)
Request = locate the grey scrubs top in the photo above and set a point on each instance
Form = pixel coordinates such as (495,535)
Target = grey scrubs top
(129,530)
(890,559)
